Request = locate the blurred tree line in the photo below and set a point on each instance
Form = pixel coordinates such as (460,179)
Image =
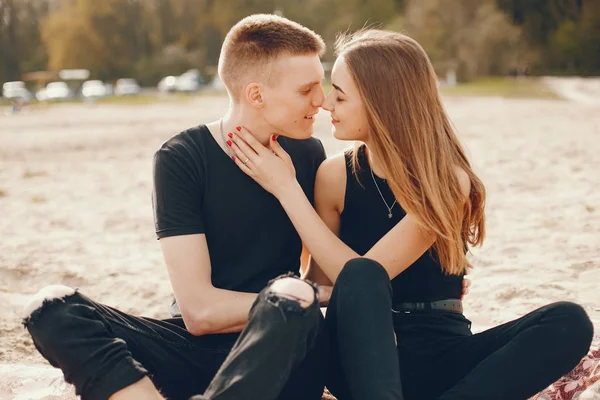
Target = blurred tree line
(148,39)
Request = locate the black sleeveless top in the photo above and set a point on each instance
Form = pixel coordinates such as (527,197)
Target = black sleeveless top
(365,220)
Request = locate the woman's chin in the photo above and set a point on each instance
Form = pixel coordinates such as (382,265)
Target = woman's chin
(339,134)
(336,133)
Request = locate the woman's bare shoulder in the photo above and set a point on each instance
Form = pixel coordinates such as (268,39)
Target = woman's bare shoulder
(334,165)
(331,181)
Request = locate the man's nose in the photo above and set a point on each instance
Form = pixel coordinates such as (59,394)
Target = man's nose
(319,98)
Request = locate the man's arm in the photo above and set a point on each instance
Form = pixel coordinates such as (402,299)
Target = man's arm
(204,308)
(177,204)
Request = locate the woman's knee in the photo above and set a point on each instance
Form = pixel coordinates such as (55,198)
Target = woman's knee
(360,271)
(575,324)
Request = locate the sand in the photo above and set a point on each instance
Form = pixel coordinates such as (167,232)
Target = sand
(75,185)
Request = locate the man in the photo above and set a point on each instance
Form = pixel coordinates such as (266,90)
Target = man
(223,238)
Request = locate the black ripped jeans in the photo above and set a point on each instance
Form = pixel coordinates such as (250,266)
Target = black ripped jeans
(437,356)
(281,354)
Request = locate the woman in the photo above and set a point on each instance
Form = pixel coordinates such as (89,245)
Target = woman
(406,205)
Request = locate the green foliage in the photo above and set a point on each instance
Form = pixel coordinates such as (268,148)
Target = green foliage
(149,39)
(100,36)
(566,33)
(20,47)
(469,36)
(590,34)
(565,45)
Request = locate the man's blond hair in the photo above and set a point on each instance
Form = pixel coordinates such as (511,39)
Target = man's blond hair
(255,42)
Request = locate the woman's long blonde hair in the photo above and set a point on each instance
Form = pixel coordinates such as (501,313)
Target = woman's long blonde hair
(414,142)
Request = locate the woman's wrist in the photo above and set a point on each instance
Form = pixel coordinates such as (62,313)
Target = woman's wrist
(289,192)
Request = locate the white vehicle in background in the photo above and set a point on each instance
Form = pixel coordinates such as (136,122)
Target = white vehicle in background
(94,89)
(55,91)
(189,81)
(126,87)
(168,84)
(16,91)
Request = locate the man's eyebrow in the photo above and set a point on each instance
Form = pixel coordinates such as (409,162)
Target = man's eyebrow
(337,87)
(311,84)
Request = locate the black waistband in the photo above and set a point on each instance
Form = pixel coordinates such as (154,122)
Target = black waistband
(453,305)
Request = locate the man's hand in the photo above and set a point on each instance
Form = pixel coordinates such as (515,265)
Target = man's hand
(466,283)
(324,294)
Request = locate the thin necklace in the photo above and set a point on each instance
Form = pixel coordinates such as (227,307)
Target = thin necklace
(223,138)
(382,198)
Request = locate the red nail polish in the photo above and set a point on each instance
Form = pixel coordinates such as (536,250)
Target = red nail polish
(230,135)
(233,158)
(229,143)
(239,128)
(274,137)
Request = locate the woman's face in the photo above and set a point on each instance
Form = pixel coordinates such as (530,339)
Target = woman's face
(348,113)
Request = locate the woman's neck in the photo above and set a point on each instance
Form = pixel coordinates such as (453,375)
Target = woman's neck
(374,162)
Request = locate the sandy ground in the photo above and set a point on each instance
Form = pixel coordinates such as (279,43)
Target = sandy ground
(75,184)
(577,89)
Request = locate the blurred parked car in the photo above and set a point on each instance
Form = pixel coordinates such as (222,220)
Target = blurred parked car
(16,91)
(167,84)
(126,86)
(55,91)
(94,89)
(189,81)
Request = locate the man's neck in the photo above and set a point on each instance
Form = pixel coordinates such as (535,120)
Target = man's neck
(236,116)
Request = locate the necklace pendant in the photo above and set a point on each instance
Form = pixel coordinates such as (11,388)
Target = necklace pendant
(390,215)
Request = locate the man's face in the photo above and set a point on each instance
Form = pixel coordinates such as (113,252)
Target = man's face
(293,98)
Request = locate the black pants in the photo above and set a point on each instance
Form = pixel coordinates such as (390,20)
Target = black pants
(437,356)
(282,353)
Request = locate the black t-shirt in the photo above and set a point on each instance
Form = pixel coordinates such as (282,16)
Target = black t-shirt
(199,189)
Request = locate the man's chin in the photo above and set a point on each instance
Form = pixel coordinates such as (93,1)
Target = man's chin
(298,134)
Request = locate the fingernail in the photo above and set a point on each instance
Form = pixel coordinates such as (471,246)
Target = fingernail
(233,158)
(239,128)
(230,135)
(274,137)
(229,143)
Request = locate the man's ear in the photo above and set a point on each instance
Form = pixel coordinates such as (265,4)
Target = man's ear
(254,94)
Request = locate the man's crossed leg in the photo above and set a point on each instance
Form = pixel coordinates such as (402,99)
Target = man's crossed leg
(106,353)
